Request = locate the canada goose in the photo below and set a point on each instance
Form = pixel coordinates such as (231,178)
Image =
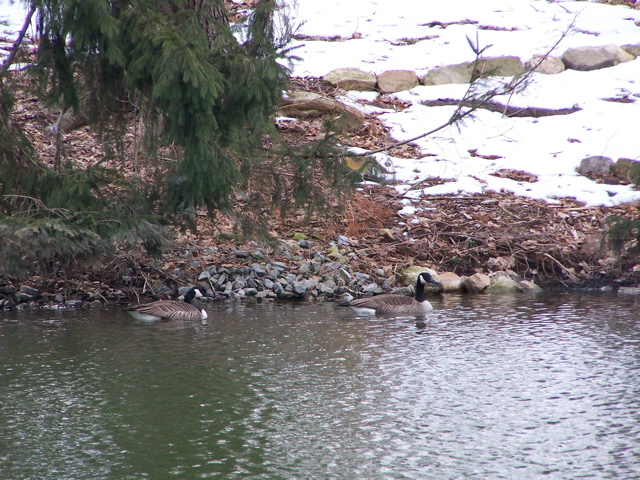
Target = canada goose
(390,303)
(170,309)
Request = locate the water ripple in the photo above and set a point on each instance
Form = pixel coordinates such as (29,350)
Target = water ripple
(486,387)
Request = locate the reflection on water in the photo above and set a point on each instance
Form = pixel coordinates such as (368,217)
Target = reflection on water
(486,387)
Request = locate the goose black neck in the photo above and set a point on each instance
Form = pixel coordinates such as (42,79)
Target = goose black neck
(420,296)
(190,295)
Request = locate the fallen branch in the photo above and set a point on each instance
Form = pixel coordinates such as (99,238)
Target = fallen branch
(567,272)
(506,110)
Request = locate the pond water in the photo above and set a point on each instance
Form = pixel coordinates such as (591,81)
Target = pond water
(486,387)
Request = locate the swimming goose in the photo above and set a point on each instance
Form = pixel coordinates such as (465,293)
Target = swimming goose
(170,309)
(390,303)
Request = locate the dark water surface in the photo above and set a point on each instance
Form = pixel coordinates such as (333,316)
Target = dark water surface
(487,387)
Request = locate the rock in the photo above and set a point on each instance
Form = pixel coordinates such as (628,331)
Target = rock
(305,269)
(476,283)
(344,275)
(393,81)
(280,265)
(315,267)
(333,252)
(278,289)
(629,290)
(262,295)
(313,105)
(372,289)
(548,65)
(7,290)
(594,58)
(22,297)
(311,283)
(309,105)
(363,277)
(508,66)
(349,120)
(351,79)
(448,74)
(326,287)
(343,241)
(242,254)
(305,244)
(409,275)
(595,164)
(30,292)
(632,49)
(527,286)
(501,283)
(59,298)
(450,282)
(258,269)
(239,283)
(7,304)
(627,169)
(299,287)
(251,292)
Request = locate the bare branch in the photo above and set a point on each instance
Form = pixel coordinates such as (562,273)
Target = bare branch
(16,45)
(472,102)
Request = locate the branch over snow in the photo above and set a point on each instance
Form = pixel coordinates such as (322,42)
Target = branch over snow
(16,45)
(470,103)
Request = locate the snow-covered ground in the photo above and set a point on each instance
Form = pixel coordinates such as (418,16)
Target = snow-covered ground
(376,33)
(381,35)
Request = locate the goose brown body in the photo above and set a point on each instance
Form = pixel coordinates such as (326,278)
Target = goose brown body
(169,309)
(388,303)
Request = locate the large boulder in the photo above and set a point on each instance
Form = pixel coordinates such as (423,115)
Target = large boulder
(352,79)
(632,49)
(528,286)
(312,105)
(594,58)
(309,105)
(448,74)
(508,66)
(409,276)
(451,282)
(596,164)
(476,283)
(546,64)
(627,170)
(501,283)
(393,81)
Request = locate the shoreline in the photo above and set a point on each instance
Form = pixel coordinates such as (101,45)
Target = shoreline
(248,274)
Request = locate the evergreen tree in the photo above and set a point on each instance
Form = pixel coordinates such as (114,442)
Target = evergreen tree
(177,66)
